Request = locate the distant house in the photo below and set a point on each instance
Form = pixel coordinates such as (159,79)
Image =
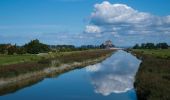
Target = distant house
(107,44)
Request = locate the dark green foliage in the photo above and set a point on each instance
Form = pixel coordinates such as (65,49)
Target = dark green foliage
(102,46)
(12,50)
(21,50)
(4,48)
(35,47)
(162,45)
(151,46)
(136,46)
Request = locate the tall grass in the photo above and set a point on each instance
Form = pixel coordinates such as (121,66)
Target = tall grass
(25,67)
(153,78)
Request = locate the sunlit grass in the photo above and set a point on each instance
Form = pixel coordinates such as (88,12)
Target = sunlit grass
(159,53)
(13,59)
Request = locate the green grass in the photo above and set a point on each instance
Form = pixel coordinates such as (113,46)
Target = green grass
(158,53)
(153,77)
(13,59)
(15,65)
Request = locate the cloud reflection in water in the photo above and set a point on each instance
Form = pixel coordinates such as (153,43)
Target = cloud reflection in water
(115,74)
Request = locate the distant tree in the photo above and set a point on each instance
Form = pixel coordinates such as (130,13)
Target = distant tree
(12,50)
(136,46)
(150,46)
(35,47)
(4,48)
(21,50)
(162,45)
(143,45)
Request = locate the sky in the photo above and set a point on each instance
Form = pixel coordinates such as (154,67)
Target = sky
(79,22)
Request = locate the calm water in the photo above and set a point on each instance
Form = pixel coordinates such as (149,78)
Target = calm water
(111,79)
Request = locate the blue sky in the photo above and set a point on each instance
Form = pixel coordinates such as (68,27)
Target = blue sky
(72,22)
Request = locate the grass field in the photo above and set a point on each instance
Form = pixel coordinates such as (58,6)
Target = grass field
(13,59)
(158,53)
(18,64)
(153,78)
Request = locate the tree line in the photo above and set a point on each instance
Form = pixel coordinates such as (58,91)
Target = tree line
(66,48)
(151,46)
(35,47)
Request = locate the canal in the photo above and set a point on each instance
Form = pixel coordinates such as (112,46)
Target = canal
(111,79)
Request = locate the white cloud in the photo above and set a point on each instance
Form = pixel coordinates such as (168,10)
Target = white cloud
(127,23)
(118,13)
(92,29)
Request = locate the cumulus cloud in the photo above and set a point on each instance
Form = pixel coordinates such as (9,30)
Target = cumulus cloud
(121,20)
(114,75)
(92,29)
(107,13)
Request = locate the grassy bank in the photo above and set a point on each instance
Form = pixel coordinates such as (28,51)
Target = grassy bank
(158,53)
(41,62)
(80,59)
(153,78)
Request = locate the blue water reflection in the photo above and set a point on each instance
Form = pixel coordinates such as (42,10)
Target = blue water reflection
(114,75)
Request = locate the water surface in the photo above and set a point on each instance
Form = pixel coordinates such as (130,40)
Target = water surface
(111,79)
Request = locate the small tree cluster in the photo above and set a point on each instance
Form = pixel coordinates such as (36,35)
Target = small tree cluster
(33,47)
(65,48)
(11,49)
(151,46)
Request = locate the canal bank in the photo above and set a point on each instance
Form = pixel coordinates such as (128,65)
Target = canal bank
(12,84)
(152,80)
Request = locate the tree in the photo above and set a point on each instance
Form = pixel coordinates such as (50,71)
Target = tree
(162,45)
(102,46)
(150,46)
(143,45)
(4,48)
(35,47)
(12,50)
(136,46)
(21,50)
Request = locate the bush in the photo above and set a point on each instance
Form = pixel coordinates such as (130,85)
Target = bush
(35,47)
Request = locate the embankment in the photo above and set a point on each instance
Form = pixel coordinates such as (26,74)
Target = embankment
(153,77)
(82,59)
